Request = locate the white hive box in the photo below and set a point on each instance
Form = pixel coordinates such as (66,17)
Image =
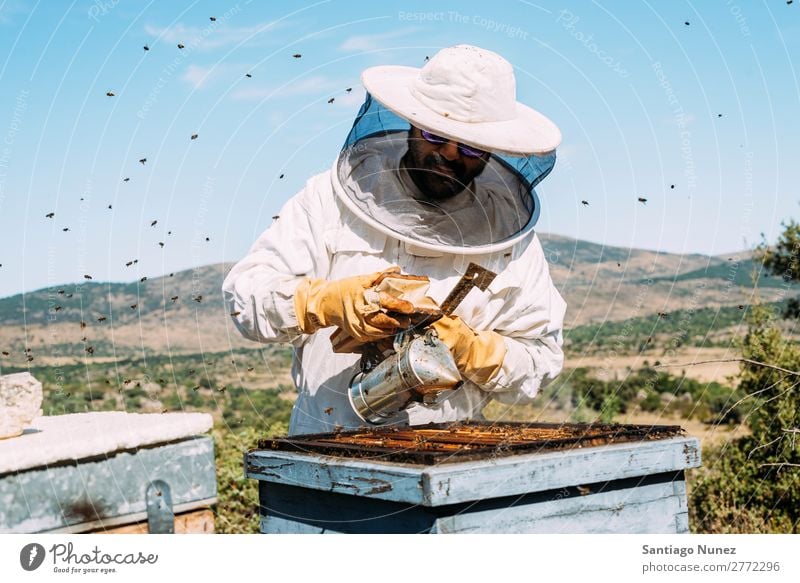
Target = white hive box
(90,471)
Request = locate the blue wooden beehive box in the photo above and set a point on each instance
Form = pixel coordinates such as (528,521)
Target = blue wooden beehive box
(91,472)
(477,478)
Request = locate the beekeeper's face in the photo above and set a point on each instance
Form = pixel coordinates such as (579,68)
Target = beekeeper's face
(441,168)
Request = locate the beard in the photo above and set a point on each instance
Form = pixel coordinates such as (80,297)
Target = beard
(437,177)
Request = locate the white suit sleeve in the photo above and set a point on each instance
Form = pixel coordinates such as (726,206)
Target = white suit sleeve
(259,289)
(531,326)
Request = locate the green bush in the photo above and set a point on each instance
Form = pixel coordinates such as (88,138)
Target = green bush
(652,402)
(610,407)
(733,493)
(254,408)
(236,510)
(711,402)
(753,484)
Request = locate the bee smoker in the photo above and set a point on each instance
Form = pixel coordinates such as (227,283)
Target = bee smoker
(420,369)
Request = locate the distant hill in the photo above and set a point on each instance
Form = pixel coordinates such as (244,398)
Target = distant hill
(738,272)
(183,313)
(198,289)
(122,319)
(707,327)
(606,284)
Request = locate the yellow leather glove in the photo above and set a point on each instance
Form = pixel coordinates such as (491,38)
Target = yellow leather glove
(478,355)
(357,305)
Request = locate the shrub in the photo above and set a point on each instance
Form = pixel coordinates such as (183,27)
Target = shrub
(753,483)
(652,402)
(236,510)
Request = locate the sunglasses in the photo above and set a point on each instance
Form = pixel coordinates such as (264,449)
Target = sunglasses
(467,151)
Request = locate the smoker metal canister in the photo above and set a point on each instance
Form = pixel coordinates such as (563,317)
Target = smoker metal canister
(388,388)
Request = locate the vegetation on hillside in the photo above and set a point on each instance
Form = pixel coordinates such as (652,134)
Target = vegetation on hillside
(244,414)
(659,334)
(752,484)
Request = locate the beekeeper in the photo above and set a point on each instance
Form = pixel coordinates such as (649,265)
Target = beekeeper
(438,171)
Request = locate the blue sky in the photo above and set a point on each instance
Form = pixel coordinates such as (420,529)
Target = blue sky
(636,92)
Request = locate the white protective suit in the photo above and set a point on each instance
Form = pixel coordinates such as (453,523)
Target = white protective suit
(317,236)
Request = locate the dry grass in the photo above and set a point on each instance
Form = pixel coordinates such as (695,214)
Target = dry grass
(608,367)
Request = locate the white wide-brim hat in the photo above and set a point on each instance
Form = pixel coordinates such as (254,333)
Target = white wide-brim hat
(467,94)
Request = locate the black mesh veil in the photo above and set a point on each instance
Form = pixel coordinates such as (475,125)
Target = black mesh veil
(494,211)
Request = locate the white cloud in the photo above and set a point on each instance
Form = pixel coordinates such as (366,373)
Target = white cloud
(197,76)
(10,9)
(683,119)
(318,85)
(371,42)
(354,98)
(567,151)
(214,35)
